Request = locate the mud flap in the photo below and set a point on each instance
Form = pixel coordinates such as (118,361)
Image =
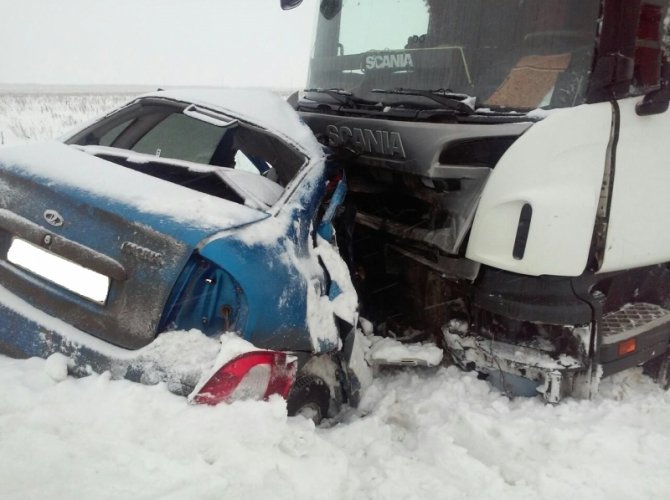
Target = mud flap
(359,373)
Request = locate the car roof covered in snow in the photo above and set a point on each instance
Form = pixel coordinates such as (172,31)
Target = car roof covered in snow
(261,107)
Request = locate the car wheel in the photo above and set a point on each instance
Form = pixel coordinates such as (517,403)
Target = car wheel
(309,397)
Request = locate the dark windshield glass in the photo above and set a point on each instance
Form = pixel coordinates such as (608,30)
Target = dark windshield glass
(519,54)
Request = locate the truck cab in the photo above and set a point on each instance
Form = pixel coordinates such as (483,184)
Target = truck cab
(507,165)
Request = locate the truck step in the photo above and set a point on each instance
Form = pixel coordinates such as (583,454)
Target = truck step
(390,352)
(632,320)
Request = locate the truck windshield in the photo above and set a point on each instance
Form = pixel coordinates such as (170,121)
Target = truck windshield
(510,54)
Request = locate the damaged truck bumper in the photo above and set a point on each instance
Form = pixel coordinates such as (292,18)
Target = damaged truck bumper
(631,336)
(522,371)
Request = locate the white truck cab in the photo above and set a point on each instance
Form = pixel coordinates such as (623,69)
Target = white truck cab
(507,162)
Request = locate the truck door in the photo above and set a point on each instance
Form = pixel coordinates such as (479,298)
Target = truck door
(637,232)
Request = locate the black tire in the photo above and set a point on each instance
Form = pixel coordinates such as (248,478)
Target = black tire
(310,397)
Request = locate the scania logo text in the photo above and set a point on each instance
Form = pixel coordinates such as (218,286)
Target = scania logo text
(365,140)
(53,218)
(389,61)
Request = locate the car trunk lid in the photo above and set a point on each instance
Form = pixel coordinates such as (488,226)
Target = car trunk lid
(136,231)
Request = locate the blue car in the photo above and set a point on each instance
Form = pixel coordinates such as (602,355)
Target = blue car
(184,238)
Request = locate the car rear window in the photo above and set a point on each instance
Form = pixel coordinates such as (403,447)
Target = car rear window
(109,137)
(181,137)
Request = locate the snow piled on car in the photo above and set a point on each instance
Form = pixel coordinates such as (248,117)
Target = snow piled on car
(58,165)
(430,434)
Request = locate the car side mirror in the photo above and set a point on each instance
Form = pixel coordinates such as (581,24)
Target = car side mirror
(290,4)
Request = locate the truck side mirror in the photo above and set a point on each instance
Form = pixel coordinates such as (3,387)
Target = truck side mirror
(290,4)
(658,101)
(655,103)
(330,8)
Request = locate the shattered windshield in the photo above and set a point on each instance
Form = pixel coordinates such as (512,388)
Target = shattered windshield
(518,54)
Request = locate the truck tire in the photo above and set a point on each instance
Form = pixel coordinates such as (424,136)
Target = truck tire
(309,397)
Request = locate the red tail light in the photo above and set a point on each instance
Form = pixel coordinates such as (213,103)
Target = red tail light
(648,50)
(252,375)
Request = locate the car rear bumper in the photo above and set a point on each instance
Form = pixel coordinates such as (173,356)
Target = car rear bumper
(177,359)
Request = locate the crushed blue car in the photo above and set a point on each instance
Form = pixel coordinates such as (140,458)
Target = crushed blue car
(143,242)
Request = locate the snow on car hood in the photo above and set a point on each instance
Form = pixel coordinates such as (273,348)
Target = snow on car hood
(56,164)
(260,107)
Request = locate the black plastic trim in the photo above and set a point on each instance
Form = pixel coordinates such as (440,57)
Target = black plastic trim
(542,299)
(522,231)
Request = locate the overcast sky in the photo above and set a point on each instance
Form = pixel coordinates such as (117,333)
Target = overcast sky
(155,42)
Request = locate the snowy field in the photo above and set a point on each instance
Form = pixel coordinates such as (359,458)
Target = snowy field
(31,114)
(438,434)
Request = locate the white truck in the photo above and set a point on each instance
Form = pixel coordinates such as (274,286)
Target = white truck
(508,163)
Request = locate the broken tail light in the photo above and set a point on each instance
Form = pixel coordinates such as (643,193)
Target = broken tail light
(252,375)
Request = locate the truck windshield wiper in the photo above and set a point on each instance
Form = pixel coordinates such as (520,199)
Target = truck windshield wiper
(446,98)
(342,96)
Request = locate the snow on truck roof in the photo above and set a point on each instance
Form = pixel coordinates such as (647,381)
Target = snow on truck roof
(261,107)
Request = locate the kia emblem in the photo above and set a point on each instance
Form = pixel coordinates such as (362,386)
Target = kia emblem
(53,218)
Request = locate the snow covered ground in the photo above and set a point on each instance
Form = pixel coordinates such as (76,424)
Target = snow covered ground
(418,433)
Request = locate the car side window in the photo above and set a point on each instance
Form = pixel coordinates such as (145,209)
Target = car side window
(181,137)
